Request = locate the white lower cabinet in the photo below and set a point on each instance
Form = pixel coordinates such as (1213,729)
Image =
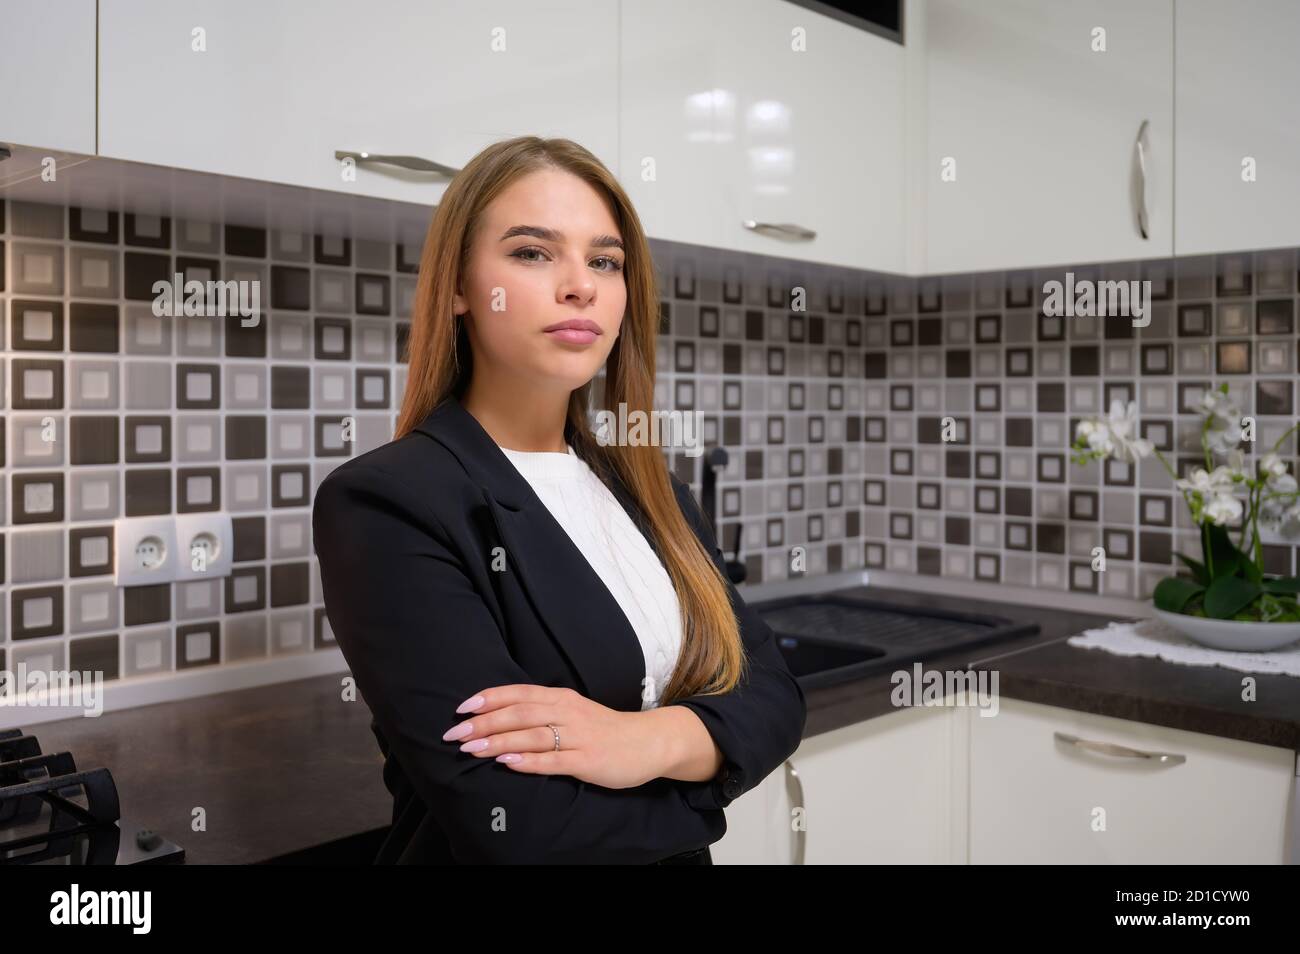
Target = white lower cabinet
(758,832)
(1038,799)
(876,792)
(947,785)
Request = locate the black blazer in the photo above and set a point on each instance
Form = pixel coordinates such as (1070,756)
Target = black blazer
(405,536)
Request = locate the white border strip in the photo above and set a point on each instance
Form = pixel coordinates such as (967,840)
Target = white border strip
(186,684)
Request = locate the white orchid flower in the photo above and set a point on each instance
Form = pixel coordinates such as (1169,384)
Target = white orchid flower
(1274,512)
(1209,483)
(1215,404)
(1222,423)
(1123,418)
(1198,481)
(1095,432)
(1271,465)
(1285,484)
(1222,509)
(1223,440)
(1122,428)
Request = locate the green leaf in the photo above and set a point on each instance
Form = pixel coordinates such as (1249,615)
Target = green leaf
(1227,565)
(1229,595)
(1172,593)
(1198,569)
(1250,571)
(1284,584)
(1226,559)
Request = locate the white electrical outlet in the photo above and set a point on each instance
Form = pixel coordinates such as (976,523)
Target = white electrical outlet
(145,550)
(206,541)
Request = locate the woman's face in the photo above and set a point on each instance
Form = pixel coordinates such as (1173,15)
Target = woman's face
(548,251)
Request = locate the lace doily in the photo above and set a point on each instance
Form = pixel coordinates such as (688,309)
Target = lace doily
(1151,637)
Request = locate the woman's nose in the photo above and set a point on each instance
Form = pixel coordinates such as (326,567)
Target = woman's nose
(577,283)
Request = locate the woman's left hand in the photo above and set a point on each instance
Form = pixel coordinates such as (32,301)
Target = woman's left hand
(597,744)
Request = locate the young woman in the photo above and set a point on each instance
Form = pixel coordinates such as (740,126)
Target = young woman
(557,667)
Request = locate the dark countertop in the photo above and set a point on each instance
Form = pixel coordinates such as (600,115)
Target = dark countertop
(1043,668)
(282,768)
(276,768)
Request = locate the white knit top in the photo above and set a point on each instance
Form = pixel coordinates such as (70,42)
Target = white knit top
(617,550)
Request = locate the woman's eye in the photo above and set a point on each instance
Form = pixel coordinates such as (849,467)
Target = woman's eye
(525,254)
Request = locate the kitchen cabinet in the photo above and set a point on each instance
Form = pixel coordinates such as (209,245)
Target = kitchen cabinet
(272,91)
(888,790)
(1036,798)
(47,76)
(764,112)
(998,138)
(1032,152)
(885,791)
(758,826)
(1237,117)
(810,131)
(668,153)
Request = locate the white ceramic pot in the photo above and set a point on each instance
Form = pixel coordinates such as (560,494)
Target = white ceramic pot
(1232,634)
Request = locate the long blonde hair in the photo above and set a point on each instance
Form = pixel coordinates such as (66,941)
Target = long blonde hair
(712,657)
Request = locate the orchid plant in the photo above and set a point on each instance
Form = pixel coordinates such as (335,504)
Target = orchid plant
(1228,581)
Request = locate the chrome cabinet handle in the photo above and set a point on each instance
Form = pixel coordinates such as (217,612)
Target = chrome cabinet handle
(794,789)
(781,228)
(1139,145)
(1110,748)
(414,163)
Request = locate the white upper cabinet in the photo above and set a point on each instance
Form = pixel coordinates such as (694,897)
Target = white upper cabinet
(810,122)
(1238,112)
(1042,131)
(764,112)
(1006,133)
(47,74)
(271,91)
(668,158)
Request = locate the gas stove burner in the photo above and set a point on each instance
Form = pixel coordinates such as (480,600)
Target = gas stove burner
(53,813)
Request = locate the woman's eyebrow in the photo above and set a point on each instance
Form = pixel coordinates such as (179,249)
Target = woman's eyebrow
(551,235)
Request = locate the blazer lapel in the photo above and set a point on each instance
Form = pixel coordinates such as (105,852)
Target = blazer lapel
(573,602)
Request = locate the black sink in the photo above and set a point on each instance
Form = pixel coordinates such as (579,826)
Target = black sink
(807,656)
(832,639)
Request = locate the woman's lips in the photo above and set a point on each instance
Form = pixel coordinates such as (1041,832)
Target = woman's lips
(573,335)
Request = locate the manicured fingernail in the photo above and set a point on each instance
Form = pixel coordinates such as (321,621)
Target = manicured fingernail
(509,757)
(478,745)
(458,732)
(471,704)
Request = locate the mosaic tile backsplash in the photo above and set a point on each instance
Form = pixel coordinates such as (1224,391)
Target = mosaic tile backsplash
(179,415)
(829,403)
(834,413)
